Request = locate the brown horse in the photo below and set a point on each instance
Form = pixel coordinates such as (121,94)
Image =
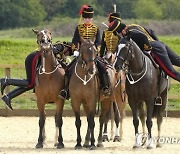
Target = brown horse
(49,82)
(143,84)
(84,89)
(117,100)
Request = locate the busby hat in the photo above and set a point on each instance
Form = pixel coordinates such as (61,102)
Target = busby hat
(87,11)
(113,16)
(116,26)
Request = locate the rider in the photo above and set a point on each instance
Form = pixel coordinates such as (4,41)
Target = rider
(86,30)
(24,85)
(163,55)
(109,41)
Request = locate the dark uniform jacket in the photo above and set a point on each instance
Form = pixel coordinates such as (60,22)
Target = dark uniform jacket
(109,42)
(87,32)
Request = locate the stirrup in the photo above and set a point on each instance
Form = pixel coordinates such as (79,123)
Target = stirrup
(106,91)
(63,94)
(158,101)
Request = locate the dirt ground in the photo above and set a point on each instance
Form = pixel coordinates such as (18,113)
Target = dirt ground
(20,134)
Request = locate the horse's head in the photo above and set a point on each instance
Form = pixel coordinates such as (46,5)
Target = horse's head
(124,54)
(87,55)
(44,39)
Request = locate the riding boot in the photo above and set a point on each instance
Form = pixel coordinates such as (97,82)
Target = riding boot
(16,92)
(105,84)
(15,82)
(65,92)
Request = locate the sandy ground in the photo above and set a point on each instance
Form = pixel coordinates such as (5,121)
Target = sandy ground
(20,134)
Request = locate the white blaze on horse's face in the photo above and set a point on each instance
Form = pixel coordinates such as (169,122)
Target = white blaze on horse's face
(120,46)
(45,42)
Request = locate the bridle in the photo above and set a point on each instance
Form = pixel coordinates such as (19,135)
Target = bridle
(81,60)
(45,44)
(128,56)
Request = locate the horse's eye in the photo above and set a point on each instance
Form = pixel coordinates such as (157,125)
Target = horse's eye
(49,41)
(42,41)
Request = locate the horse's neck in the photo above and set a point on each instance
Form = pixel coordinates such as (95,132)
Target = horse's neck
(48,61)
(138,61)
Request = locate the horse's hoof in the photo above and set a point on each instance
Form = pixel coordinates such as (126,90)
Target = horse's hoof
(159,145)
(100,145)
(39,145)
(105,138)
(92,147)
(86,145)
(150,147)
(78,146)
(117,139)
(136,146)
(60,145)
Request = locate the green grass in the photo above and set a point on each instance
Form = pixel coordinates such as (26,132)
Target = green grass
(14,51)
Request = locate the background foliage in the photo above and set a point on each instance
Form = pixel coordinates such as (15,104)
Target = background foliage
(25,13)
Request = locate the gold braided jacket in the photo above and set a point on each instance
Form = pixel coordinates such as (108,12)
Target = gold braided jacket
(140,29)
(110,40)
(87,31)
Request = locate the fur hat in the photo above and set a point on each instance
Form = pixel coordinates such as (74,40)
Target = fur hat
(113,16)
(86,11)
(116,26)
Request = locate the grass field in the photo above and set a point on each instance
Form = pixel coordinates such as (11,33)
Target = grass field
(14,51)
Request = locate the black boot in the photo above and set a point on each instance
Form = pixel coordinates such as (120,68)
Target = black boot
(64,94)
(16,92)
(105,84)
(15,82)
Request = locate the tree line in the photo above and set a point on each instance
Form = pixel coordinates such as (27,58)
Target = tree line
(27,13)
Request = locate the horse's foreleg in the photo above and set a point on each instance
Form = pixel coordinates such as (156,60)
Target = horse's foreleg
(134,109)
(59,123)
(78,126)
(116,119)
(102,137)
(150,107)
(159,122)
(42,118)
(91,125)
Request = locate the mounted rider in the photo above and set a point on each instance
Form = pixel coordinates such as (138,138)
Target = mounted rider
(23,85)
(86,30)
(148,42)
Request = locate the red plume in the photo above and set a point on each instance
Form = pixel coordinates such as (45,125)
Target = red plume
(82,9)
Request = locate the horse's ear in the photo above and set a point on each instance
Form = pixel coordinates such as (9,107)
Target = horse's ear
(35,31)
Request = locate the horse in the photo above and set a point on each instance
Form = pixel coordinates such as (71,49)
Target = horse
(84,89)
(49,82)
(143,84)
(116,104)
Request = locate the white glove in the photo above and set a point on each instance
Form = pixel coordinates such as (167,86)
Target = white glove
(76,53)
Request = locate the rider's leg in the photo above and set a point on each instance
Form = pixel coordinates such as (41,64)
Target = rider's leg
(69,70)
(104,78)
(15,82)
(161,57)
(16,92)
